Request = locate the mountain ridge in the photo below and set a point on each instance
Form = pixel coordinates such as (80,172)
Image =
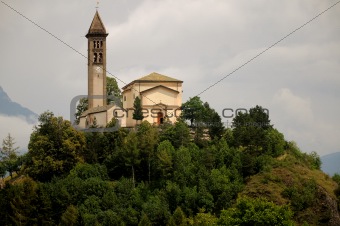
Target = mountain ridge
(11,108)
(330,163)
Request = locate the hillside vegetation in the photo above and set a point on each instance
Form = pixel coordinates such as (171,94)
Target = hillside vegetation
(166,175)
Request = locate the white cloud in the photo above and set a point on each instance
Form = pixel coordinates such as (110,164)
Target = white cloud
(19,129)
(295,107)
(296,117)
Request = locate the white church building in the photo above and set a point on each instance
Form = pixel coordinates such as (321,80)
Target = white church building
(160,95)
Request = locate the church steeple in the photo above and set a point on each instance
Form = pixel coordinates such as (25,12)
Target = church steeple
(96,63)
(97,27)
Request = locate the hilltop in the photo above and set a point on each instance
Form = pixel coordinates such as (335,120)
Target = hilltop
(167,175)
(292,179)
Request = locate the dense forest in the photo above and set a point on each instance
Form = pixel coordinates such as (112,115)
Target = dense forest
(193,172)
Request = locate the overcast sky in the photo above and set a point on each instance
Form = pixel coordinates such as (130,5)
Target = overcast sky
(197,41)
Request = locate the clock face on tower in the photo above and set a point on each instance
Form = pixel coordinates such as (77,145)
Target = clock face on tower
(99,69)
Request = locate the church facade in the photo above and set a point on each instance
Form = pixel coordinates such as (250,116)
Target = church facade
(160,95)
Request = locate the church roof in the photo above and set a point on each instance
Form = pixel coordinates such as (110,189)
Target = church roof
(160,86)
(154,77)
(97,26)
(97,110)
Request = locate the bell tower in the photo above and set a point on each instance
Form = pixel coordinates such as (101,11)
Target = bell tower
(96,37)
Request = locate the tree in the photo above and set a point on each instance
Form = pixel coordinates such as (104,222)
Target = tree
(257,211)
(147,140)
(178,134)
(95,147)
(8,150)
(112,89)
(144,221)
(336,178)
(54,149)
(138,113)
(9,154)
(178,218)
(81,108)
(205,219)
(193,110)
(157,209)
(250,128)
(274,142)
(131,153)
(184,169)
(213,122)
(2,169)
(315,161)
(25,203)
(164,163)
(203,118)
(70,216)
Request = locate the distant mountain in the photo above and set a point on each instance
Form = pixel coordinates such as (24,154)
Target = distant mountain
(331,163)
(10,108)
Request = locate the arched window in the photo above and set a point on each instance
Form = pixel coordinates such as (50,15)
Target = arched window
(95,56)
(100,59)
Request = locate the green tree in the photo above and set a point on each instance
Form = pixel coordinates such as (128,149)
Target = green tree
(193,110)
(213,122)
(2,169)
(115,161)
(96,144)
(250,128)
(157,209)
(216,128)
(138,113)
(178,218)
(165,153)
(274,142)
(178,134)
(9,154)
(336,178)
(205,219)
(70,216)
(25,203)
(147,140)
(144,221)
(302,195)
(257,211)
(112,89)
(315,160)
(8,149)
(81,108)
(223,187)
(203,118)
(55,148)
(131,154)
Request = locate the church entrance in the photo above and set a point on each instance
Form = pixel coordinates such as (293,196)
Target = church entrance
(160,118)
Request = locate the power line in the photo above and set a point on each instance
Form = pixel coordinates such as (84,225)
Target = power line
(268,48)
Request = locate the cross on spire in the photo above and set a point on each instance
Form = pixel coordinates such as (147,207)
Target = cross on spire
(97,4)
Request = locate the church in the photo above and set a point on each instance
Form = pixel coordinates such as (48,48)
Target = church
(160,95)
